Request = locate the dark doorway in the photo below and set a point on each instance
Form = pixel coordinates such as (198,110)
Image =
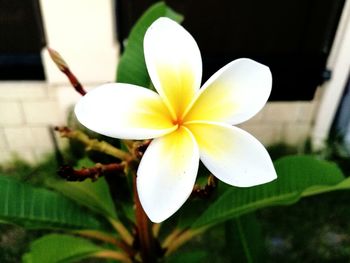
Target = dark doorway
(21,40)
(293,37)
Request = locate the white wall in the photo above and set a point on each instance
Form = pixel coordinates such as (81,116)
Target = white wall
(332,91)
(83,31)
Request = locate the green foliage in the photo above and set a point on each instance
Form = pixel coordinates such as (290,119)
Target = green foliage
(196,256)
(56,248)
(14,242)
(298,176)
(315,229)
(94,195)
(33,174)
(34,207)
(132,68)
(244,235)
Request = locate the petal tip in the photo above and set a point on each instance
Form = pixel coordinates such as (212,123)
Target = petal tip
(267,177)
(163,20)
(166,174)
(156,219)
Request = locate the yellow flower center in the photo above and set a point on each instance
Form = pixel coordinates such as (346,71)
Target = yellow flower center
(178,121)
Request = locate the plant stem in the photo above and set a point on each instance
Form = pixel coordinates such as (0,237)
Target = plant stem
(122,231)
(63,66)
(171,237)
(144,230)
(70,174)
(93,144)
(182,239)
(156,229)
(113,255)
(98,235)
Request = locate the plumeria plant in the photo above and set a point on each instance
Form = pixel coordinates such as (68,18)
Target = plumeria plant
(184,122)
(179,165)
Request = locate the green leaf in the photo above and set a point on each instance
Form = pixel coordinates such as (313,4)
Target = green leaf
(94,195)
(298,176)
(34,207)
(132,68)
(56,248)
(244,236)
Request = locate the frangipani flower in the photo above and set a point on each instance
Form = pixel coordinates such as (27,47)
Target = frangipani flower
(185,122)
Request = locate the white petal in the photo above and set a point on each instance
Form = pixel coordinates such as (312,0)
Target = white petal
(174,63)
(233,155)
(167,173)
(233,94)
(124,111)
